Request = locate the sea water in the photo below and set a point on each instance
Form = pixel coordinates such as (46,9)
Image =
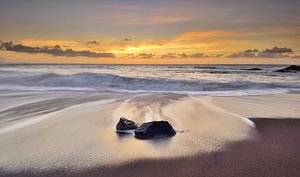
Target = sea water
(214,80)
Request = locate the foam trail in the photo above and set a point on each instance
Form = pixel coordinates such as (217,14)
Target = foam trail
(38,119)
(207,102)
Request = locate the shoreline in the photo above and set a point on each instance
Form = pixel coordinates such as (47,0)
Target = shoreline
(274,153)
(66,130)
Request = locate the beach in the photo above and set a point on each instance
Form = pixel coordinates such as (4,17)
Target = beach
(72,133)
(159,88)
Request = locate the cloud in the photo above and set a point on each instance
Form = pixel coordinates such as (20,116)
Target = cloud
(92,42)
(127,39)
(146,55)
(250,53)
(183,55)
(48,42)
(278,50)
(169,56)
(202,35)
(275,52)
(217,55)
(197,55)
(53,50)
(227,34)
(134,19)
(193,55)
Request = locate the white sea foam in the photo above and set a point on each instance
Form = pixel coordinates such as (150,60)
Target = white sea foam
(217,80)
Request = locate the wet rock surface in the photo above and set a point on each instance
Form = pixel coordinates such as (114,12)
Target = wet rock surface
(125,125)
(154,129)
(292,68)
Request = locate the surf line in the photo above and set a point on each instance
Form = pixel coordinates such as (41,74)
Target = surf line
(208,103)
(32,121)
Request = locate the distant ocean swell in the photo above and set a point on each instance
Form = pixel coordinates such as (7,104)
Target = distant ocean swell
(110,82)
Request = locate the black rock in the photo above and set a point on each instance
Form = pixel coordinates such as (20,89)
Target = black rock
(292,68)
(154,129)
(204,67)
(253,69)
(125,126)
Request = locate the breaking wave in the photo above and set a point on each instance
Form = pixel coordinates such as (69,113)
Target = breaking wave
(110,82)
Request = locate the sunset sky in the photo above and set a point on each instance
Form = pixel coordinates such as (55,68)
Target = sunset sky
(150,31)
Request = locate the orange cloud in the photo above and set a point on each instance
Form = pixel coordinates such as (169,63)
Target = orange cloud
(46,42)
(133,18)
(208,42)
(194,35)
(157,20)
(203,34)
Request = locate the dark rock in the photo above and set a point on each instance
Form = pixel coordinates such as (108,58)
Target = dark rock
(154,129)
(219,72)
(125,126)
(292,68)
(204,67)
(253,69)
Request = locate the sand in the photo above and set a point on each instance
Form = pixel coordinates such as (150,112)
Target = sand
(72,134)
(278,106)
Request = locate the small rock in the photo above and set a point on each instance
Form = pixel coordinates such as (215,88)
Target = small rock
(125,126)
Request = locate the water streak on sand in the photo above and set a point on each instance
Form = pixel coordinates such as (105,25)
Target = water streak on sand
(207,101)
(34,120)
(82,135)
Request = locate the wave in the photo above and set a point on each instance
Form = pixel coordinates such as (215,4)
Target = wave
(110,82)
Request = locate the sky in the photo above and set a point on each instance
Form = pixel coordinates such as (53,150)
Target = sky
(150,31)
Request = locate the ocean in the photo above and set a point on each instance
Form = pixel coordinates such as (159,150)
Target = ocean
(215,80)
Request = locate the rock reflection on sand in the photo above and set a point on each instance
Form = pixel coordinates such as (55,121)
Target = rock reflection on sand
(80,132)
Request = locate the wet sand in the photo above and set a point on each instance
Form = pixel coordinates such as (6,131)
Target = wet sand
(275,153)
(278,106)
(74,135)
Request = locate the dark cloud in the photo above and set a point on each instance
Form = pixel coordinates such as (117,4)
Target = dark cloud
(127,39)
(218,55)
(194,55)
(234,55)
(169,56)
(52,50)
(275,52)
(203,55)
(146,55)
(278,50)
(197,55)
(92,42)
(183,55)
(250,53)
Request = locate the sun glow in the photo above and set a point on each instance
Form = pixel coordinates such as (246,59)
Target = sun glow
(138,49)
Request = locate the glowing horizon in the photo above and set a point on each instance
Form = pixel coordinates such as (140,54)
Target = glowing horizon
(150,32)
